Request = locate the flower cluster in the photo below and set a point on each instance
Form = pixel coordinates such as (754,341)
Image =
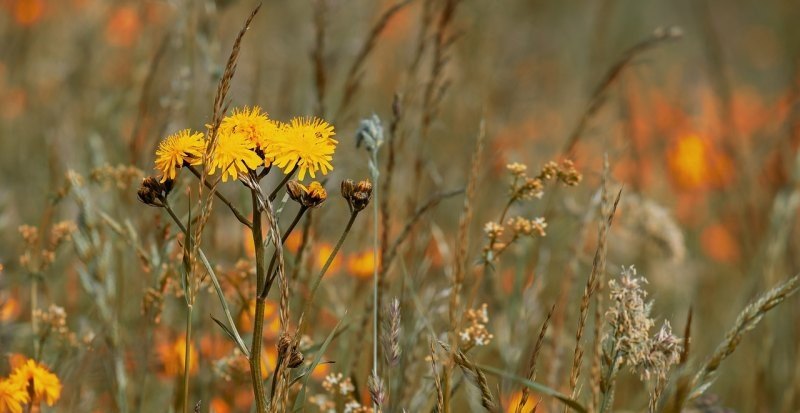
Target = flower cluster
(40,253)
(54,320)
(476,334)
(339,388)
(29,383)
(247,139)
(629,317)
(524,187)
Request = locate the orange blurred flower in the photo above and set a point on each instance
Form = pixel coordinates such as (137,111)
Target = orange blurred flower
(173,358)
(9,309)
(695,164)
(361,264)
(320,371)
(123,26)
(516,397)
(719,244)
(27,12)
(218,405)
(272,322)
(323,253)
(292,243)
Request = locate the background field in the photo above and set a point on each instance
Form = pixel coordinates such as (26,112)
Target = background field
(701,133)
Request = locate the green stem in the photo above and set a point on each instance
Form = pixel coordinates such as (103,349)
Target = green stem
(375,298)
(258,328)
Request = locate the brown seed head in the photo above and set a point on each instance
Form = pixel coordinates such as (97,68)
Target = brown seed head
(310,197)
(357,195)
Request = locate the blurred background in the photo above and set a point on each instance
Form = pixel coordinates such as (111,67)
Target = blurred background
(702,131)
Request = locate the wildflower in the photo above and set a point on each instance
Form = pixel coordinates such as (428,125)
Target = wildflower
(182,147)
(13,396)
(256,126)
(665,350)
(357,195)
(493,229)
(476,334)
(323,253)
(310,197)
(234,155)
(528,227)
(45,386)
(629,316)
(567,174)
(516,169)
(305,144)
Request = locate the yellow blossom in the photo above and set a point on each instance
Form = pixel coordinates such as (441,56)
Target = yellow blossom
(46,385)
(306,144)
(234,155)
(181,147)
(12,396)
(255,125)
(173,357)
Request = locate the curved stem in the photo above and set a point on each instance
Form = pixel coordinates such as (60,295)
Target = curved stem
(286,179)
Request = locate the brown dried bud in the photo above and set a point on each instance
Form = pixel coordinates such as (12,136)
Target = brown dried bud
(152,192)
(310,197)
(348,186)
(359,194)
(295,357)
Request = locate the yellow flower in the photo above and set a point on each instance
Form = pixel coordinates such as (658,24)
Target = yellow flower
(181,147)
(46,385)
(305,143)
(254,124)
(12,397)
(234,155)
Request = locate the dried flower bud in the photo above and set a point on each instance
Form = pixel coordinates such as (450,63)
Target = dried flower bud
(310,197)
(153,193)
(357,195)
(287,349)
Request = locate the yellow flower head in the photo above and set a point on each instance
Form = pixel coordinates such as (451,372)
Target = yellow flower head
(255,125)
(305,143)
(46,385)
(12,397)
(181,147)
(234,155)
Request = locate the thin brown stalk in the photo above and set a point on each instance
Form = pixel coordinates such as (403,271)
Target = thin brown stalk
(537,348)
(599,94)
(597,351)
(318,55)
(748,319)
(418,214)
(598,265)
(238,214)
(352,82)
(687,338)
(437,381)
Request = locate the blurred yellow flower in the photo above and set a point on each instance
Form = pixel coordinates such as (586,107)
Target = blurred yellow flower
(530,406)
(324,252)
(361,264)
(696,164)
(181,147)
(173,357)
(12,396)
(234,155)
(254,125)
(9,309)
(46,385)
(305,143)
